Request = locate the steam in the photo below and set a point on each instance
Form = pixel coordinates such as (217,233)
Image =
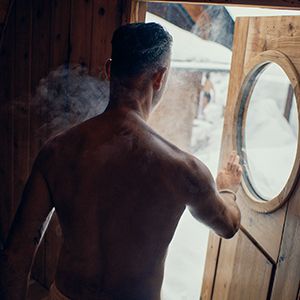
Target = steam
(69,96)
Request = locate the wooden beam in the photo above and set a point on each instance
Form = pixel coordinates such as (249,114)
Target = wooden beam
(279,4)
(133,11)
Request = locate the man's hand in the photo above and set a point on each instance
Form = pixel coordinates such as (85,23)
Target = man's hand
(230,177)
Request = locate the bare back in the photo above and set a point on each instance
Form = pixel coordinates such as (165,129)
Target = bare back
(113,189)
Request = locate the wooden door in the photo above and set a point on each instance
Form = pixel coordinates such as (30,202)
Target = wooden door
(262,261)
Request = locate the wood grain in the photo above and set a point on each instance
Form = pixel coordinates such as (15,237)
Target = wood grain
(243,271)
(60,30)
(22,96)
(271,234)
(40,63)
(81,31)
(287,277)
(106,18)
(7,65)
(285,4)
(211,262)
(4,4)
(239,48)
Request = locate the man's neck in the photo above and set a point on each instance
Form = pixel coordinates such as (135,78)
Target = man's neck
(135,100)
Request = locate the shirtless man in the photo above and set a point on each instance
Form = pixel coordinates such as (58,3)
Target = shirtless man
(118,188)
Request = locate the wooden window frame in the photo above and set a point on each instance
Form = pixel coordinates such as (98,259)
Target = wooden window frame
(283,4)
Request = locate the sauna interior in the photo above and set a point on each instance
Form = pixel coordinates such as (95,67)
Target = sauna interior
(46,43)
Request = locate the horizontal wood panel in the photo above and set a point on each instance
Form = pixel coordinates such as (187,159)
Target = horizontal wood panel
(288,4)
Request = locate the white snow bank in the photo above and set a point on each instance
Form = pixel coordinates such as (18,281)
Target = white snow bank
(271,145)
(187,47)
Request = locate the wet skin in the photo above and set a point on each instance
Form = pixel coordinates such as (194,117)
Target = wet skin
(119,190)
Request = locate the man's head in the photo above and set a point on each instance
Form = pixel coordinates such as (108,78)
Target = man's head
(141,55)
(207,75)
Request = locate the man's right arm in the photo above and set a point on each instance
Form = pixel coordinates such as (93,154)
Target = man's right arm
(218,210)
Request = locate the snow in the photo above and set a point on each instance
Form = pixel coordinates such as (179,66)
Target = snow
(189,48)
(268,132)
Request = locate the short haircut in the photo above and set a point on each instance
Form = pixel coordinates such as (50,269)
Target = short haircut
(138,48)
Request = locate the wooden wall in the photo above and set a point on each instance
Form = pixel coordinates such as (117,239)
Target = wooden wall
(41,35)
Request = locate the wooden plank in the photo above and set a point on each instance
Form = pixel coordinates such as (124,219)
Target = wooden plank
(4,4)
(239,48)
(287,277)
(5,9)
(211,262)
(261,225)
(60,40)
(133,11)
(106,18)
(22,96)
(7,63)
(242,274)
(283,4)
(41,25)
(280,33)
(59,54)
(81,31)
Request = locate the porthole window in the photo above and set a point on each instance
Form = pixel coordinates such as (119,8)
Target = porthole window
(267,132)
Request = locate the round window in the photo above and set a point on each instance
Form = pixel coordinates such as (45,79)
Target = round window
(267,131)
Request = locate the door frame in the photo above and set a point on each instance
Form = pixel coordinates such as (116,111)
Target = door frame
(137,13)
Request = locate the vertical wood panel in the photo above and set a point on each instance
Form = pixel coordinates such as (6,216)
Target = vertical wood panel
(4,4)
(239,47)
(41,25)
(22,96)
(81,31)
(7,64)
(287,278)
(40,36)
(133,11)
(59,54)
(61,13)
(106,18)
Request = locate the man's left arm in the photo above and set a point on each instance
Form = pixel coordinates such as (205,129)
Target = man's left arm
(28,228)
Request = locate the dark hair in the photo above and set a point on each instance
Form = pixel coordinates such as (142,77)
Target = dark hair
(138,48)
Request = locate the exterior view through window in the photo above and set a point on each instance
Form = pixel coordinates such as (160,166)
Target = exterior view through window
(191,116)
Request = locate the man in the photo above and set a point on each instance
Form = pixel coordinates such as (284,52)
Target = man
(208,88)
(118,188)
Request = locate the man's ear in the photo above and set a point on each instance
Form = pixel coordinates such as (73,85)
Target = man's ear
(158,79)
(107,69)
